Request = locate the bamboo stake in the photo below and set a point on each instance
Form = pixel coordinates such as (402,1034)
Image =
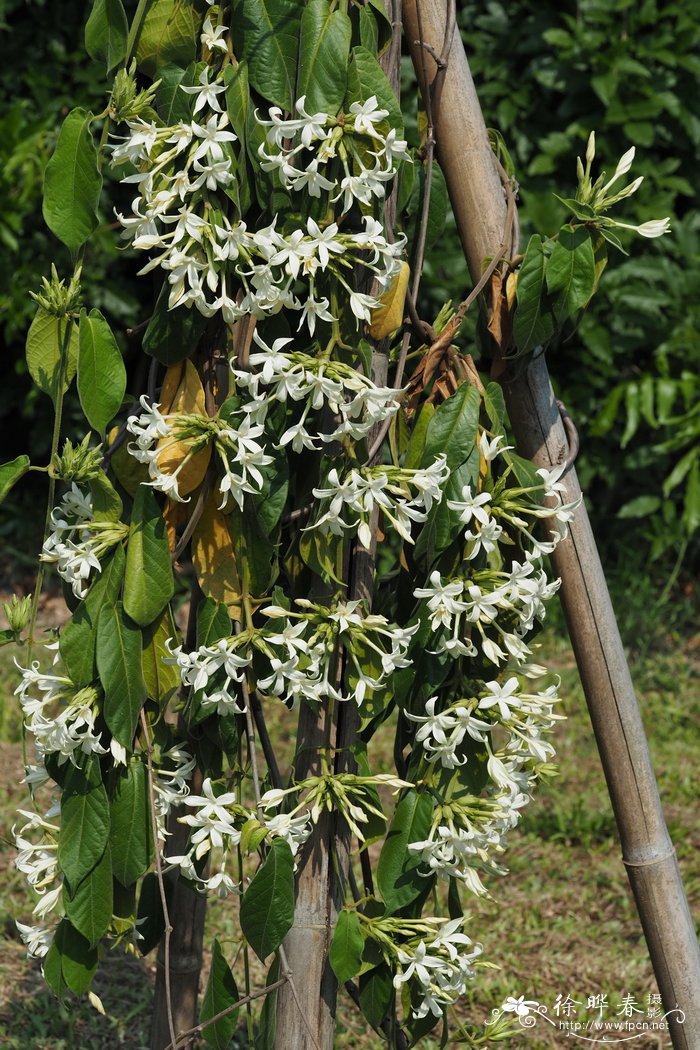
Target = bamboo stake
(648,854)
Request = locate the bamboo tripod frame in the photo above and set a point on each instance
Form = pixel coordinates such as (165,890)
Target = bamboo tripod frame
(479,206)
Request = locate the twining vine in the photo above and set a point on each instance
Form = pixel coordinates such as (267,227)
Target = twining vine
(258,162)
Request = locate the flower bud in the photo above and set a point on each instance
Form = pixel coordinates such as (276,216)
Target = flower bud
(18,612)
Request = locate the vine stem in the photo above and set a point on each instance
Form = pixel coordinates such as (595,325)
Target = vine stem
(51,495)
(159,877)
(185,1036)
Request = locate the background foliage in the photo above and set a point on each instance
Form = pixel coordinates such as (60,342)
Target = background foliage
(547,74)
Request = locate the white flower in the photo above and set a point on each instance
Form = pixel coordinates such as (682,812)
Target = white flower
(471,507)
(207,93)
(212,38)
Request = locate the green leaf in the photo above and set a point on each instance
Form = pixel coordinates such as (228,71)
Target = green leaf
(150,912)
(397,872)
(495,406)
(267,1029)
(130,835)
(172,335)
(267,906)
(347,946)
(84,822)
(640,507)
(10,474)
(366,78)
(213,622)
(90,907)
(149,584)
(570,270)
(376,994)
(238,98)
(101,372)
(106,32)
(221,992)
(172,103)
(437,211)
(70,962)
(120,671)
(533,324)
(106,501)
(324,49)
(453,428)
(78,637)
(45,342)
(168,33)
(72,182)
(160,678)
(268,31)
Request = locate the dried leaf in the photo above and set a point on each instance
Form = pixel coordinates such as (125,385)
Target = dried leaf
(188,398)
(388,316)
(214,559)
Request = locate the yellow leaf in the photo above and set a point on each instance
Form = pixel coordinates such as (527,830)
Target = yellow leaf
(186,398)
(511,288)
(388,316)
(214,559)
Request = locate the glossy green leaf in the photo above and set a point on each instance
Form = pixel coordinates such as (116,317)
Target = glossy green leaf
(120,671)
(172,335)
(398,875)
(10,474)
(324,49)
(149,584)
(106,501)
(347,946)
(570,270)
(213,622)
(70,963)
(238,98)
(106,32)
(84,822)
(150,912)
(72,182)
(267,906)
(533,323)
(220,993)
(268,31)
(452,431)
(89,908)
(130,836)
(46,341)
(174,104)
(161,678)
(101,371)
(78,637)
(168,34)
(366,78)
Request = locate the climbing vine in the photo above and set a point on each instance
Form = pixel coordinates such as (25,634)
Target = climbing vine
(273,452)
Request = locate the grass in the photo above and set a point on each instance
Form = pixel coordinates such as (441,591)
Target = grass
(563,921)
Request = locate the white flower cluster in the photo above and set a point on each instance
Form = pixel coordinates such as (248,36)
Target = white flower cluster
(354,400)
(311,150)
(213,672)
(403,496)
(37,858)
(238,448)
(218,821)
(302,653)
(185,210)
(77,542)
(70,731)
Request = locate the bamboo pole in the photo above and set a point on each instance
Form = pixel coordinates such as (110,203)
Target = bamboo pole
(648,854)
